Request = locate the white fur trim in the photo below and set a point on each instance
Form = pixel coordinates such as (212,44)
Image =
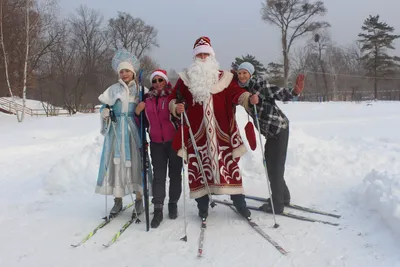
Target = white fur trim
(183,154)
(158,73)
(126,66)
(239,151)
(244,100)
(224,82)
(172,107)
(218,190)
(184,77)
(128,163)
(203,49)
(117,161)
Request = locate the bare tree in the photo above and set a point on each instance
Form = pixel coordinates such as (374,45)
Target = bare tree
(5,55)
(294,19)
(148,65)
(132,33)
(88,46)
(27,45)
(48,32)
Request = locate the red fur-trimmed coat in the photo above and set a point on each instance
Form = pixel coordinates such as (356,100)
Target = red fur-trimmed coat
(216,135)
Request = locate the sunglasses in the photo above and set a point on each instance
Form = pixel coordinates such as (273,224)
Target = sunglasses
(157,80)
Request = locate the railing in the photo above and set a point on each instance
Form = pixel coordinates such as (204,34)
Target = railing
(12,107)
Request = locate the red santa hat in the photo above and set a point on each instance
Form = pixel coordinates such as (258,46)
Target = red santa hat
(159,72)
(203,45)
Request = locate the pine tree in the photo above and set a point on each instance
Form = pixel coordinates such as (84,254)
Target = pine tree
(258,66)
(376,39)
(275,73)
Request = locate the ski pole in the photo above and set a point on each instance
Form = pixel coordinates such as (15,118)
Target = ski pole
(183,181)
(144,154)
(265,166)
(212,203)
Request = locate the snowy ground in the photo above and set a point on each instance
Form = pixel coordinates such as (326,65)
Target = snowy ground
(343,157)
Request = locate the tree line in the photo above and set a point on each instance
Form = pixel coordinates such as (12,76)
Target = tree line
(366,68)
(66,62)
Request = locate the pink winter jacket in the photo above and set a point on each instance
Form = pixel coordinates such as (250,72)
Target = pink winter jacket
(160,126)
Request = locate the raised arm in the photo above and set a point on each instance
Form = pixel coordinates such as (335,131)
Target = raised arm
(267,90)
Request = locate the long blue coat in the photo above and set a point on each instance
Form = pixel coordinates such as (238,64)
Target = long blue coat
(120,164)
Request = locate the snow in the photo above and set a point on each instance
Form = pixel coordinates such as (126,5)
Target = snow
(382,193)
(342,158)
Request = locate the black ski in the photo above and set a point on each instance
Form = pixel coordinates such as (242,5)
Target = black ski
(255,226)
(287,214)
(297,207)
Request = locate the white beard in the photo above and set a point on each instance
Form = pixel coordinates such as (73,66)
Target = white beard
(203,75)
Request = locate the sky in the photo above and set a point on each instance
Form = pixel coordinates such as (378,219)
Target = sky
(234,26)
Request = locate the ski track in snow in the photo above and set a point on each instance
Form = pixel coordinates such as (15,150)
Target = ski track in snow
(48,170)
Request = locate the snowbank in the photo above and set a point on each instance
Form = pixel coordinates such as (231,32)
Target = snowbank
(381,191)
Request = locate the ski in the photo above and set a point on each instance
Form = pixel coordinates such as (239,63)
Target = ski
(101,225)
(302,218)
(123,229)
(256,227)
(297,207)
(289,215)
(203,228)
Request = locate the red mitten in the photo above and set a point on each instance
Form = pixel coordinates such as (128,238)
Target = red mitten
(298,88)
(251,135)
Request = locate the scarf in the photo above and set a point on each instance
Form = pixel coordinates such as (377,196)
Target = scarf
(244,84)
(167,90)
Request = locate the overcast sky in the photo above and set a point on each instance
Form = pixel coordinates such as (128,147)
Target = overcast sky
(234,26)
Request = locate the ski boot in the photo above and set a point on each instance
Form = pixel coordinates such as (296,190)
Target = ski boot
(117,206)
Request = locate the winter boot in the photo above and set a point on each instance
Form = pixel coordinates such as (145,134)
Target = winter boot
(202,205)
(240,204)
(279,207)
(117,206)
(286,201)
(158,216)
(173,211)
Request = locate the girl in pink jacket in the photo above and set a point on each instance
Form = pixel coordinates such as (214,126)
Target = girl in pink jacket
(162,129)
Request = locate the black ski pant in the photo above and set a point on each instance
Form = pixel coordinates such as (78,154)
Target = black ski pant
(275,154)
(164,157)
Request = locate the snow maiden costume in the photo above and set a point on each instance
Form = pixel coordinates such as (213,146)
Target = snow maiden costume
(120,164)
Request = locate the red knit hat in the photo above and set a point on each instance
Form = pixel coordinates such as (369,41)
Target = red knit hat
(203,45)
(159,72)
